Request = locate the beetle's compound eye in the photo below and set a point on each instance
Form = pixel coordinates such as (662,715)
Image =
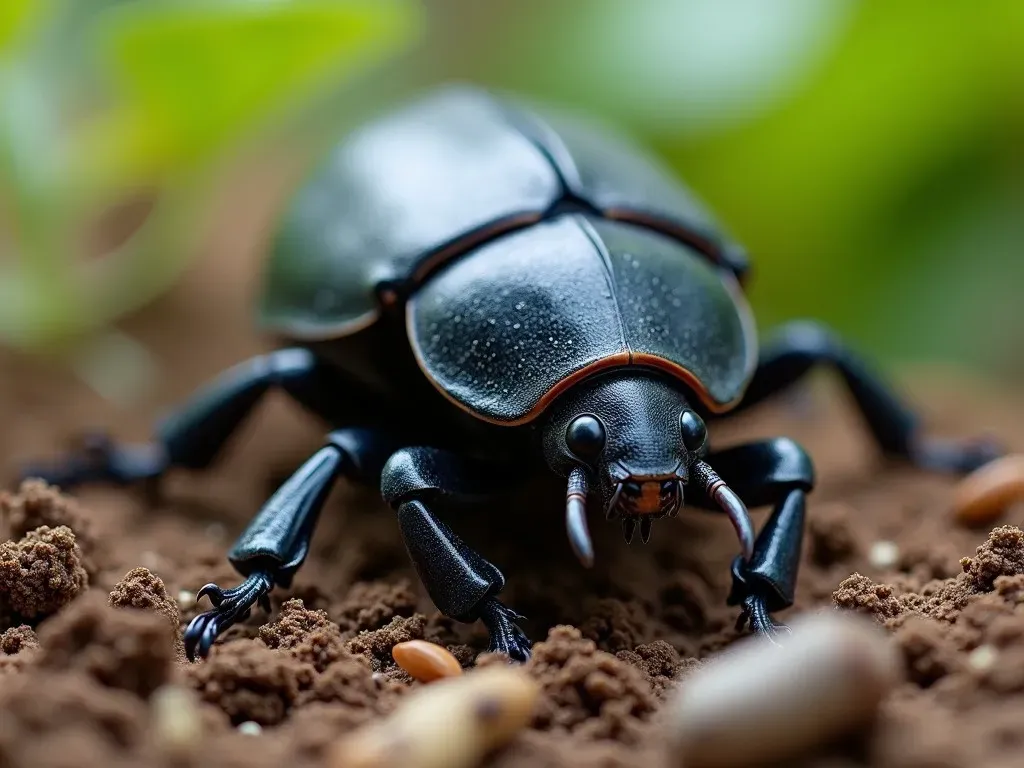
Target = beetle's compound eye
(694,432)
(585,437)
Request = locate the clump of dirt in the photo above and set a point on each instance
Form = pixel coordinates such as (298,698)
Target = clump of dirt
(375,645)
(18,648)
(587,692)
(371,605)
(37,504)
(309,636)
(121,648)
(41,572)
(661,663)
(615,625)
(1000,558)
(249,681)
(66,718)
(142,590)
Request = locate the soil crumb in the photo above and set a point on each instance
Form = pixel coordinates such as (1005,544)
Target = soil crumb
(588,692)
(371,605)
(249,681)
(19,647)
(37,504)
(375,646)
(41,572)
(65,718)
(142,590)
(119,647)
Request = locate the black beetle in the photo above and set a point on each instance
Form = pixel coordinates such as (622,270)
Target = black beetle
(468,290)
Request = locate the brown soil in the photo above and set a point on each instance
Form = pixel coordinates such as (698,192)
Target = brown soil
(104,580)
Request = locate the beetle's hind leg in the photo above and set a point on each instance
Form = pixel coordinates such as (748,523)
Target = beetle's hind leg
(275,544)
(779,473)
(462,584)
(798,347)
(192,437)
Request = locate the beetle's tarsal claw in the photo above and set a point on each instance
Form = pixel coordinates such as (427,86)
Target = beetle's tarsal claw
(212,591)
(645,529)
(230,607)
(755,614)
(628,528)
(576,517)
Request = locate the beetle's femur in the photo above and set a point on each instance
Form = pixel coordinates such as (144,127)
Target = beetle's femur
(576,517)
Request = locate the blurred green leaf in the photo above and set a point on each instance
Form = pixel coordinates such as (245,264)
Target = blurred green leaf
(181,87)
(193,75)
(15,16)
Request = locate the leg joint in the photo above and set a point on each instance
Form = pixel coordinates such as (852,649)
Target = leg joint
(404,474)
(809,338)
(286,365)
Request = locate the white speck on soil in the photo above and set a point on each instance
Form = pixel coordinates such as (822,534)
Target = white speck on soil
(983,658)
(884,554)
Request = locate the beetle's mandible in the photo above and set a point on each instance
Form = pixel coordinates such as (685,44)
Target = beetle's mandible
(469,290)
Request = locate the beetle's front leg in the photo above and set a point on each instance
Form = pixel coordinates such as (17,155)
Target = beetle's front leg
(796,348)
(275,544)
(774,472)
(462,584)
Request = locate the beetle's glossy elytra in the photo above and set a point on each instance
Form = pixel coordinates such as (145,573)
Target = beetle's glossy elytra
(531,258)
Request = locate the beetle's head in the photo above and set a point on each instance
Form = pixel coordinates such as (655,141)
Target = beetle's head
(630,443)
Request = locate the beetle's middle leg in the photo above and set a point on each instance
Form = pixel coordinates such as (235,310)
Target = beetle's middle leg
(798,347)
(779,473)
(462,583)
(276,542)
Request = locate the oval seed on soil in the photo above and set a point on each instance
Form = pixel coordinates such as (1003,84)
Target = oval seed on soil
(175,719)
(757,703)
(426,661)
(452,723)
(986,493)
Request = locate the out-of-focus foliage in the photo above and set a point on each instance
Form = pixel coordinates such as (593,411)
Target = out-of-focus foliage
(105,101)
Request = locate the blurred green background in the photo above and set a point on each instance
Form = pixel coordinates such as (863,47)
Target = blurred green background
(868,154)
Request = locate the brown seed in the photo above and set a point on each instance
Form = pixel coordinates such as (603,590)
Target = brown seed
(989,491)
(425,661)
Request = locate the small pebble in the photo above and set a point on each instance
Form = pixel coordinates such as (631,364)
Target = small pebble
(757,703)
(249,728)
(884,554)
(983,658)
(425,661)
(986,494)
(186,598)
(176,722)
(453,723)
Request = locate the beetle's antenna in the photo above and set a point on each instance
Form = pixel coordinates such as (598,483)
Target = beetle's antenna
(576,517)
(731,504)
